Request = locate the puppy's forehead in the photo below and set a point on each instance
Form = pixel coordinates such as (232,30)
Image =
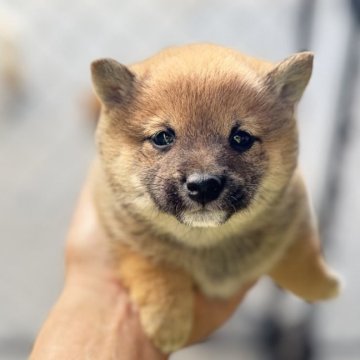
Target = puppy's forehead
(201,86)
(208,97)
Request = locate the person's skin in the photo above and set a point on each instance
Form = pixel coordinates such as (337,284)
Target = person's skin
(93,318)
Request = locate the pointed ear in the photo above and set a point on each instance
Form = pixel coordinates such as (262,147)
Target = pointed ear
(113,82)
(289,78)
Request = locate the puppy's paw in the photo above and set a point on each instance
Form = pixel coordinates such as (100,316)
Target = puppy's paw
(168,327)
(164,297)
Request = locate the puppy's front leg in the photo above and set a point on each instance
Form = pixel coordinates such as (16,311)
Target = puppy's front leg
(303,270)
(164,296)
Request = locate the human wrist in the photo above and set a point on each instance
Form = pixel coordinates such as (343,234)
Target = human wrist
(108,304)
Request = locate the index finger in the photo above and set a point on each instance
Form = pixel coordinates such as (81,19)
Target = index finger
(210,314)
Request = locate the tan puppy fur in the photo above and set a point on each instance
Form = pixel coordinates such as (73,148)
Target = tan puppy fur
(197,183)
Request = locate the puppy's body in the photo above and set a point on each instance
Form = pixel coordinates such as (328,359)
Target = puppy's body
(197,182)
(241,250)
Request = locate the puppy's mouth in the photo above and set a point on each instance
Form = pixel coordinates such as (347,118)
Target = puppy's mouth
(203,218)
(171,199)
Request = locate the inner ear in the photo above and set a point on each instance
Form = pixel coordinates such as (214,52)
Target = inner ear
(113,82)
(289,78)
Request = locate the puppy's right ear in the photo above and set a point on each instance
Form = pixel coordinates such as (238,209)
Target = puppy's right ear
(113,82)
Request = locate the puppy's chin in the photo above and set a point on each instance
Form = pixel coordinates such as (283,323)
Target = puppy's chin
(203,218)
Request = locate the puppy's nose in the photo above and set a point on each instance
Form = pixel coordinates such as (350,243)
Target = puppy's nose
(204,188)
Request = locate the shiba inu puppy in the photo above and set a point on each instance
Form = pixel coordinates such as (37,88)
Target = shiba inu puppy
(196,181)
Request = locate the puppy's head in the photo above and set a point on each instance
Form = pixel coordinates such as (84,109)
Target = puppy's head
(200,133)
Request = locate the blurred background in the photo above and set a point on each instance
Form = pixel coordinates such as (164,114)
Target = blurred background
(46,145)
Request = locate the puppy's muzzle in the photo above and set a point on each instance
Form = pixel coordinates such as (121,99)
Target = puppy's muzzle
(204,188)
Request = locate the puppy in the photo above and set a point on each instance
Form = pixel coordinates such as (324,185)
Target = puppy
(196,181)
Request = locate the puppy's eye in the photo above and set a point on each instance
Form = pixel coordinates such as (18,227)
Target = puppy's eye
(163,139)
(241,140)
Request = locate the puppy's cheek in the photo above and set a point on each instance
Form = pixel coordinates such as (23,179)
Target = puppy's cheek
(166,197)
(240,193)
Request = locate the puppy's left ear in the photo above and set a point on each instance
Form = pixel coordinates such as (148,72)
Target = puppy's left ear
(289,78)
(113,82)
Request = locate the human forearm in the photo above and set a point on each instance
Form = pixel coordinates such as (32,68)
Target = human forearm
(93,323)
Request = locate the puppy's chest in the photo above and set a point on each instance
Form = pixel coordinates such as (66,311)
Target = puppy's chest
(221,271)
(218,273)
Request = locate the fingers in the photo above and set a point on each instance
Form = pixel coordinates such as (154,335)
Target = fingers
(84,218)
(210,314)
(86,245)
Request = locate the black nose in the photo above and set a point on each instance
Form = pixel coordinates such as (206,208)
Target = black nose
(204,188)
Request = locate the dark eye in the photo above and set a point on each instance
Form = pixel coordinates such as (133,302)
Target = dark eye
(163,139)
(241,140)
